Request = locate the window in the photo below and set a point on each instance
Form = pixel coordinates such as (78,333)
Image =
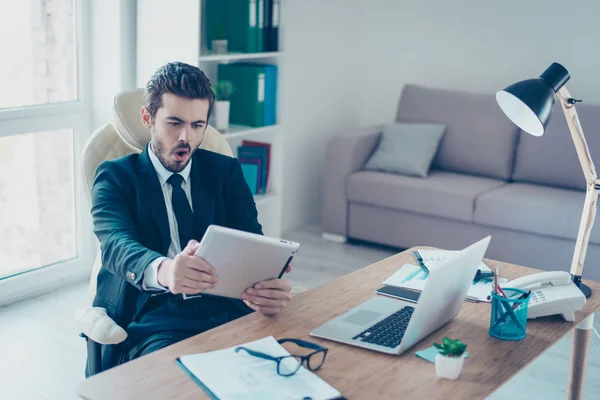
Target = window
(39,63)
(45,235)
(37,203)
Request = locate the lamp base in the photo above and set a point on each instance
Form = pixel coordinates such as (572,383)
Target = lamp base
(582,286)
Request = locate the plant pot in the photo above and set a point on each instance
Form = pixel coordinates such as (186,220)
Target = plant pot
(219,46)
(448,367)
(221,115)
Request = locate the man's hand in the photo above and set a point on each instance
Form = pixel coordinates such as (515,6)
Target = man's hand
(268,297)
(187,273)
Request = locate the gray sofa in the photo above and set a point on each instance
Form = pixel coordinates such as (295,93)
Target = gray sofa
(487,178)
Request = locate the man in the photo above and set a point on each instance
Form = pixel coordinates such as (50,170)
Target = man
(150,210)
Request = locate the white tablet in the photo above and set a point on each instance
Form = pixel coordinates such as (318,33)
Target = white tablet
(242,259)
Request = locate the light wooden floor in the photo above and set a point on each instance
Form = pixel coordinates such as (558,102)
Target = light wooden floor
(42,358)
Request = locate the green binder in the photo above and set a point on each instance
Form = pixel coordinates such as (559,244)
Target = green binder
(234,20)
(260,31)
(248,101)
(216,21)
(243,26)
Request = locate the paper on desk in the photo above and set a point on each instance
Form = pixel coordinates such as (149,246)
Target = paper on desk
(431,258)
(240,376)
(414,278)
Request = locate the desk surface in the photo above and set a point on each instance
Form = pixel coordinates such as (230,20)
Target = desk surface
(356,373)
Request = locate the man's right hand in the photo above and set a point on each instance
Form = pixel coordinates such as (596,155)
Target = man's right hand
(187,273)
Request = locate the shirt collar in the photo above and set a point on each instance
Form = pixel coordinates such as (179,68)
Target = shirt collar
(163,173)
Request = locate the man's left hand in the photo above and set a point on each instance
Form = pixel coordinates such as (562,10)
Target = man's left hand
(268,297)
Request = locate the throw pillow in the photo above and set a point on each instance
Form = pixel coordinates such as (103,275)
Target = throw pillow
(406,149)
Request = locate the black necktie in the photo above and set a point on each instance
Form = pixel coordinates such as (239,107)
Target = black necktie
(183,212)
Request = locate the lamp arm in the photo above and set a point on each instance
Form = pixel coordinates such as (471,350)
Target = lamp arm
(583,151)
(591,197)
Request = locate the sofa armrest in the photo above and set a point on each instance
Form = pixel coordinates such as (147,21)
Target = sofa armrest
(96,325)
(345,155)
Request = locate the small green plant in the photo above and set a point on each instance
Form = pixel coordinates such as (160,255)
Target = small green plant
(451,348)
(223,90)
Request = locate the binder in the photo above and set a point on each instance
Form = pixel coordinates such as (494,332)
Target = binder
(260,10)
(254,102)
(273,30)
(243,25)
(216,21)
(270,95)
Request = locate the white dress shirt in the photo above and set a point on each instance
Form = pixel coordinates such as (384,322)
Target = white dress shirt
(150,282)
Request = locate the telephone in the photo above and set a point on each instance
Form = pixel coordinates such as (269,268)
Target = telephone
(551,293)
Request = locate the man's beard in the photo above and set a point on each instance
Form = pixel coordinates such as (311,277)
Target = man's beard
(161,153)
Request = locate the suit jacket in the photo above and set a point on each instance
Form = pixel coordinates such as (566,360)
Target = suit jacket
(130,221)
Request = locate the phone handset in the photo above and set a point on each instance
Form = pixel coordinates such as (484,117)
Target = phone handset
(554,278)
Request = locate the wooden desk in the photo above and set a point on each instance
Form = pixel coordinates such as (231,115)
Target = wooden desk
(359,373)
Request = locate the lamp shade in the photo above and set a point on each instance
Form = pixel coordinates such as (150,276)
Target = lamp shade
(529,103)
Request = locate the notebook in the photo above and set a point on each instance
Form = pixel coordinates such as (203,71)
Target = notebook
(413,277)
(225,374)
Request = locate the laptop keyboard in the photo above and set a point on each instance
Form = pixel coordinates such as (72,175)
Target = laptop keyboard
(387,332)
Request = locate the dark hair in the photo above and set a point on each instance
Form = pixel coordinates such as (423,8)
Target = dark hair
(180,79)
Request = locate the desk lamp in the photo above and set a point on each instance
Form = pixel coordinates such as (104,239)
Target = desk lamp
(528,104)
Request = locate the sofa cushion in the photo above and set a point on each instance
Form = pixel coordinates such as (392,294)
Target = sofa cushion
(551,159)
(535,209)
(479,138)
(441,194)
(406,149)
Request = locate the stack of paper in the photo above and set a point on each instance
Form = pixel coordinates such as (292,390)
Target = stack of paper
(414,278)
(225,374)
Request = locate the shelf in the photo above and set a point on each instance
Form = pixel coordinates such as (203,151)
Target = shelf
(240,131)
(264,198)
(239,56)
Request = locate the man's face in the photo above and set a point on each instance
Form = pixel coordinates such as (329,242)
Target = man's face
(177,130)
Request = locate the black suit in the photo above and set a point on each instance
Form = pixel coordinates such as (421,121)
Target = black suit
(130,220)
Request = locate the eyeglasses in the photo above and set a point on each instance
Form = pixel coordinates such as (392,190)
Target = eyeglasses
(289,365)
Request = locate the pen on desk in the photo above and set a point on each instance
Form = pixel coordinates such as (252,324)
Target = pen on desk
(498,288)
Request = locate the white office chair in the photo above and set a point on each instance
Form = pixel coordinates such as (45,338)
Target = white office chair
(127,136)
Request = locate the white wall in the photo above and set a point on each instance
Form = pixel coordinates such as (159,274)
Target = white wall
(347,61)
(321,95)
(475,45)
(113,54)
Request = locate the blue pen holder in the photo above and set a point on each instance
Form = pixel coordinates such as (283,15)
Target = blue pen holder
(509,315)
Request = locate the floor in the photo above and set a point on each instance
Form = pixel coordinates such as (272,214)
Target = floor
(43,358)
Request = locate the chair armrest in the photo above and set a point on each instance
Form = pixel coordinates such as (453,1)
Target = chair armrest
(345,155)
(96,325)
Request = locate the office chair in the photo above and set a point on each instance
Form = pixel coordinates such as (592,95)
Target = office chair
(128,135)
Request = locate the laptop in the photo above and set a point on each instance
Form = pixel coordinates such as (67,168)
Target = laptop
(393,326)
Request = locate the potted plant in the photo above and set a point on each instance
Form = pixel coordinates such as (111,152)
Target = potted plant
(223,91)
(450,358)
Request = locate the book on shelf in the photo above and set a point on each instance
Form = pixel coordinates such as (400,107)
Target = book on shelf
(254,103)
(250,172)
(271,28)
(240,22)
(257,154)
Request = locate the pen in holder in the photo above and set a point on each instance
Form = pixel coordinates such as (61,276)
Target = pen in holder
(509,314)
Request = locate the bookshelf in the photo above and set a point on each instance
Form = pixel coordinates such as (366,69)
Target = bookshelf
(174,30)
(238,56)
(242,131)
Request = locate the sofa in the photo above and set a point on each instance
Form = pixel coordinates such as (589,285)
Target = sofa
(487,178)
